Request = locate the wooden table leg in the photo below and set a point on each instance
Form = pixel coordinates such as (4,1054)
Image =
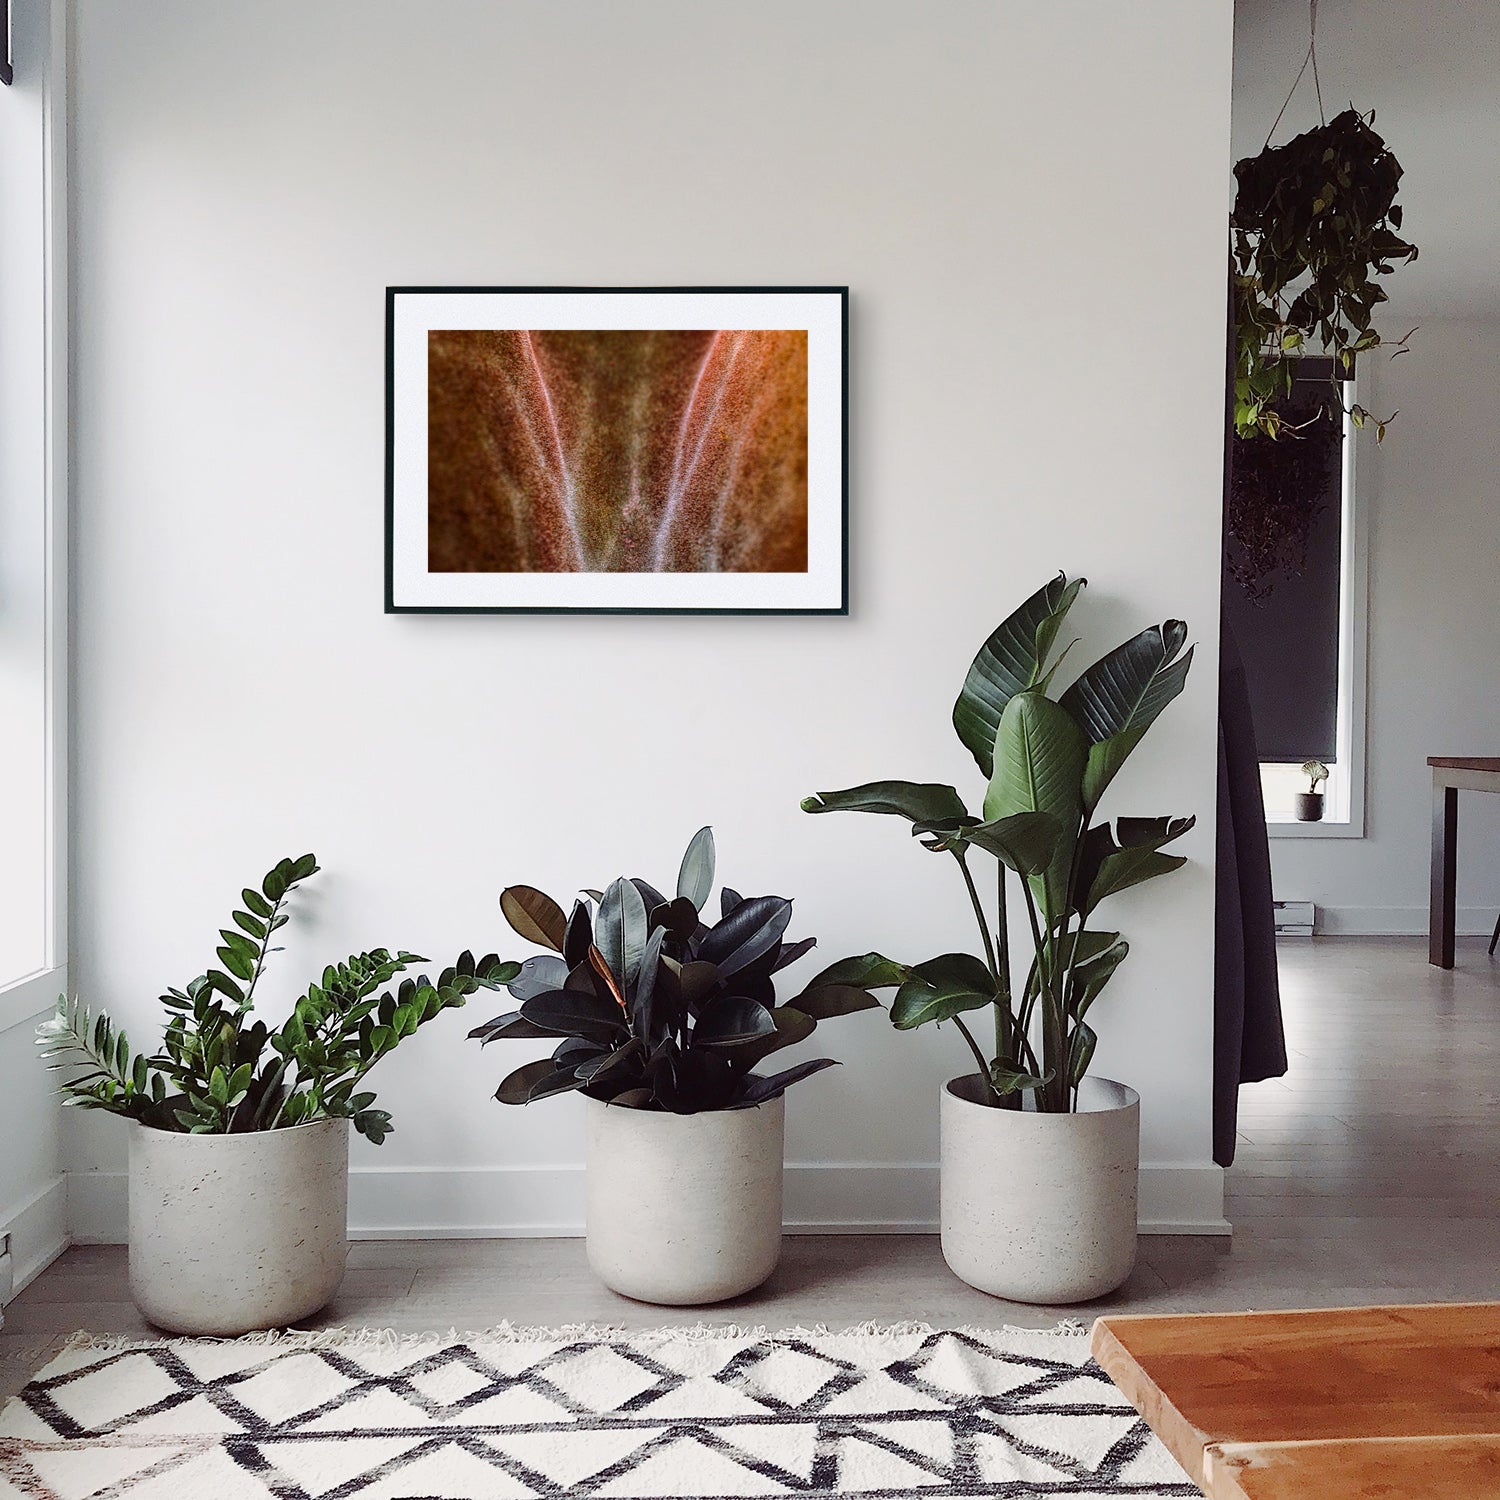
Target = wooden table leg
(1443,898)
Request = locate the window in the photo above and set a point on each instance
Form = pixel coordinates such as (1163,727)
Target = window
(1295,597)
(33,548)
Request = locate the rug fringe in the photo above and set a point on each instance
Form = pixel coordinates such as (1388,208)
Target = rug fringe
(291,1339)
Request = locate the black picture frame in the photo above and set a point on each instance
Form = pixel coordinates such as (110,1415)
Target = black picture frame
(833,575)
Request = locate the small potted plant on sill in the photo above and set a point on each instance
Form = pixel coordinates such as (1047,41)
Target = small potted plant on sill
(1309,804)
(239,1135)
(663,1019)
(1040,1161)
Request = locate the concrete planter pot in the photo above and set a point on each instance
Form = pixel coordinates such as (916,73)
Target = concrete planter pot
(232,1233)
(1308,806)
(1040,1207)
(684,1209)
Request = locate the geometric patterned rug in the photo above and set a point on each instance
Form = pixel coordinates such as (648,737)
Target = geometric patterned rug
(683,1413)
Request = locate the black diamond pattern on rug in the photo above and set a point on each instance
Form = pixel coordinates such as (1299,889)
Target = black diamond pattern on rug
(682,1414)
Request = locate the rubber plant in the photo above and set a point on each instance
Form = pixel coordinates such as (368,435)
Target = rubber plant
(222,1071)
(1047,762)
(657,1009)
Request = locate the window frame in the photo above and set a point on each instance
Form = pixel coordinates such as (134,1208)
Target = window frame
(1344,804)
(28,995)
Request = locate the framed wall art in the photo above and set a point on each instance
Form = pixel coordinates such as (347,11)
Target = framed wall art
(664,450)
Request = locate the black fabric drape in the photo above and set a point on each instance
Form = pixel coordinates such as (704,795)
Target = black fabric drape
(1249,1043)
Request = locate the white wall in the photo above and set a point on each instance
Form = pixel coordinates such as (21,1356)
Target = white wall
(1028,204)
(1434,667)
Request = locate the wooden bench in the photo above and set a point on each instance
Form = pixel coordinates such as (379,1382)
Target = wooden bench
(1341,1404)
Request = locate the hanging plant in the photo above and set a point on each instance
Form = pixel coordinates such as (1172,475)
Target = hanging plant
(1314,225)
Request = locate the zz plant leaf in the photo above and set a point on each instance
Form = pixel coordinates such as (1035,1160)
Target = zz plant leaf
(221,1071)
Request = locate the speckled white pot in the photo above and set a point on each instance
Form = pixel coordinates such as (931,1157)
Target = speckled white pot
(684,1209)
(231,1233)
(1041,1207)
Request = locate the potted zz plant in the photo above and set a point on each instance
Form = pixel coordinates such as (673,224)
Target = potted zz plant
(1040,1161)
(663,1020)
(1309,804)
(239,1135)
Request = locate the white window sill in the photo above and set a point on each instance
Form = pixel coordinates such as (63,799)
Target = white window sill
(1326,828)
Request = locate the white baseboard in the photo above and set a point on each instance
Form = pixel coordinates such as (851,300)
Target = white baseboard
(537,1202)
(38,1229)
(1399,921)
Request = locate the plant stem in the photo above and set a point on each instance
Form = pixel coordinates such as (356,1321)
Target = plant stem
(984,930)
(984,1067)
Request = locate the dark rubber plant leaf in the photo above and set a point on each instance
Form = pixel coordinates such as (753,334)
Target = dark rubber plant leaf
(757,1090)
(792,1026)
(547,971)
(1039,761)
(679,917)
(595,1069)
(730,1021)
(574,1013)
(940,989)
(649,893)
(578,936)
(510,1027)
(516,1089)
(919,801)
(695,878)
(643,992)
(1118,698)
(634,1098)
(573,1050)
(1011,661)
(564,1081)
(621,930)
(747,932)
(728,900)
(699,980)
(789,953)
(537,917)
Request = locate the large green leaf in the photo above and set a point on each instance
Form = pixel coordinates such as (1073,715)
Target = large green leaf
(921,802)
(1024,842)
(1011,661)
(940,989)
(621,930)
(1114,859)
(1118,698)
(695,879)
(868,971)
(826,1001)
(1040,756)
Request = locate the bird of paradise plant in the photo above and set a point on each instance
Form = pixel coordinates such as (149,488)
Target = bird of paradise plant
(1048,762)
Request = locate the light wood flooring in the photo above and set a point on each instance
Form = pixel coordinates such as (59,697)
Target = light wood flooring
(1370,1173)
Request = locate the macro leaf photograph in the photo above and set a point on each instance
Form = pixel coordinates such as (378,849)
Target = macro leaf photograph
(655,468)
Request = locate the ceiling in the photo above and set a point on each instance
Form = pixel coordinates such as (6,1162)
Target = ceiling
(1431,71)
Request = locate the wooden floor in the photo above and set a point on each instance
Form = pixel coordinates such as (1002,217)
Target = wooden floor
(1370,1174)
